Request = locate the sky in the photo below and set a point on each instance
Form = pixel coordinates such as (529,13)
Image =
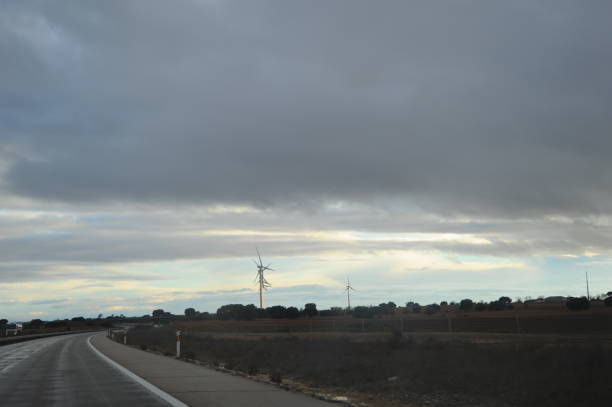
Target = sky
(428,150)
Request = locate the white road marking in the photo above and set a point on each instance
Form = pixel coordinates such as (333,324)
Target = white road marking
(150,387)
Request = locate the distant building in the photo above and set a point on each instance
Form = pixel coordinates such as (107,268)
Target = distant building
(13,329)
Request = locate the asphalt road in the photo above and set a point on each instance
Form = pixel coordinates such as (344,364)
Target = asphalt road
(63,371)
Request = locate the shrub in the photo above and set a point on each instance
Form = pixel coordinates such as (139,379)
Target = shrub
(276,376)
(143,347)
(189,354)
(608,302)
(252,369)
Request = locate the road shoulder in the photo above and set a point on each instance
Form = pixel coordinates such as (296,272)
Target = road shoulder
(197,385)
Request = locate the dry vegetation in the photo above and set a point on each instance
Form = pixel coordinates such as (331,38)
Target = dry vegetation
(386,367)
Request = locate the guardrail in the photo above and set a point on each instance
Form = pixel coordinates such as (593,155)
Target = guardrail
(22,338)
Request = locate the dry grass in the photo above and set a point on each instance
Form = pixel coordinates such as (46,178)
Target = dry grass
(437,370)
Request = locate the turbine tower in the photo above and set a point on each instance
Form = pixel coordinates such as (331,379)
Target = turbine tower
(260,279)
(586,275)
(348,293)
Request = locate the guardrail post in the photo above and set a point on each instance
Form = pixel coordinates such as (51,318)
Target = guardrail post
(125,338)
(178,344)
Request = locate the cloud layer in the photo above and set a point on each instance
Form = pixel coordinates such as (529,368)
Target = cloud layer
(147,144)
(456,108)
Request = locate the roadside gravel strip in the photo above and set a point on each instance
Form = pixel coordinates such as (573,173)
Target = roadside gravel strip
(195,385)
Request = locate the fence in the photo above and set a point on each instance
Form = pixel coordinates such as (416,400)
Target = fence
(572,323)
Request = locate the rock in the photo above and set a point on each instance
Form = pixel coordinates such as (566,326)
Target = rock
(340,398)
(392,378)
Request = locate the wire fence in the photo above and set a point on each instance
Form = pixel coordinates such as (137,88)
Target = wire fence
(578,324)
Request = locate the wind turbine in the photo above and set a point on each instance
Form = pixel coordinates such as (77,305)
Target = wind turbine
(586,275)
(348,293)
(259,278)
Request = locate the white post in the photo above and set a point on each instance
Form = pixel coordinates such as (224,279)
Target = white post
(178,344)
(125,338)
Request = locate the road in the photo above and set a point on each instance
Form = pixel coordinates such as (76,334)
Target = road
(63,371)
(66,371)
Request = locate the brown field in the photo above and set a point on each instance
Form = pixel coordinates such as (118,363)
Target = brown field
(536,319)
(423,369)
(557,358)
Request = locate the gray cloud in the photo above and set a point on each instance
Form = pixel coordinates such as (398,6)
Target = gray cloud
(498,108)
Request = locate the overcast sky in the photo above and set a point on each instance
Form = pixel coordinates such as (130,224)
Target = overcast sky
(431,150)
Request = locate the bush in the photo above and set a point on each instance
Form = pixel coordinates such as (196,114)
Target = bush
(608,302)
(143,347)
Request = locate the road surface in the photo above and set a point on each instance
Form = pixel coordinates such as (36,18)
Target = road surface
(63,371)
(66,371)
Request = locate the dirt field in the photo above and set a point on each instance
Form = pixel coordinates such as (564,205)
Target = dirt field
(412,369)
(531,319)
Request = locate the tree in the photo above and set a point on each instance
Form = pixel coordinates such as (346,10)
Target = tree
(292,313)
(444,304)
(416,308)
(190,312)
(466,305)
(3,321)
(578,304)
(158,312)
(607,301)
(432,309)
(36,323)
(480,306)
(505,300)
(310,309)
(277,311)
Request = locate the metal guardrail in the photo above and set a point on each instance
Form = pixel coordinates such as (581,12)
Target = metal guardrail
(22,338)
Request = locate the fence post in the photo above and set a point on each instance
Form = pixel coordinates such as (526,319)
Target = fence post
(518,324)
(178,344)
